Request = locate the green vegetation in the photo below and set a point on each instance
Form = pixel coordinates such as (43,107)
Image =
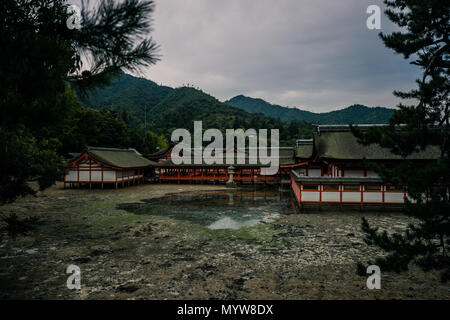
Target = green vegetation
(39,56)
(107,128)
(424,37)
(128,94)
(169,109)
(185,105)
(260,233)
(351,115)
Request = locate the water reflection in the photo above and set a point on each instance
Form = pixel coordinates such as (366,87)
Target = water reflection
(229,209)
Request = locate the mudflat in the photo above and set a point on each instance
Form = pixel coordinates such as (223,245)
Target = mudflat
(126,255)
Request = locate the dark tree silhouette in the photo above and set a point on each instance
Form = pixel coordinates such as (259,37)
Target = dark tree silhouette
(39,55)
(425,40)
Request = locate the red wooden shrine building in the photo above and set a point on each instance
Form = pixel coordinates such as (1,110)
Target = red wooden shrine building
(99,166)
(338,173)
(331,168)
(246,173)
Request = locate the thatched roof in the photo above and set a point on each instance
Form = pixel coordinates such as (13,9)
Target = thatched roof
(161,152)
(286,157)
(344,145)
(121,158)
(304,151)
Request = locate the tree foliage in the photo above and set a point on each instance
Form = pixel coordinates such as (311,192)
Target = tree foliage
(424,39)
(181,107)
(39,55)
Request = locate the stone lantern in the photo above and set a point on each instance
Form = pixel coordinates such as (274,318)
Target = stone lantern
(230,182)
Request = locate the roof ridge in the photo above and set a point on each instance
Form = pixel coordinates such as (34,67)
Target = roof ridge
(111,149)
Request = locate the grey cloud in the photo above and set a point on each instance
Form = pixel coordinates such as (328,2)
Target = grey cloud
(317,54)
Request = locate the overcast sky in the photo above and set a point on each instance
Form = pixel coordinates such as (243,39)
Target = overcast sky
(317,55)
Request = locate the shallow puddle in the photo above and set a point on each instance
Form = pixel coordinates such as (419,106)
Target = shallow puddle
(232,209)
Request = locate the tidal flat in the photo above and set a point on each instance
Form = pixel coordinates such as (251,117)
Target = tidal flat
(170,241)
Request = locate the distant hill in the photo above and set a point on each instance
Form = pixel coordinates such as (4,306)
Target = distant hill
(354,114)
(185,105)
(168,109)
(128,93)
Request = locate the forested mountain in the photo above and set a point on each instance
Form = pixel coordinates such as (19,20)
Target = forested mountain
(133,95)
(128,93)
(169,109)
(185,105)
(353,114)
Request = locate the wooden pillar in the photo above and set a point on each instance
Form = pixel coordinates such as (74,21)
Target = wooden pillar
(404,194)
(201,170)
